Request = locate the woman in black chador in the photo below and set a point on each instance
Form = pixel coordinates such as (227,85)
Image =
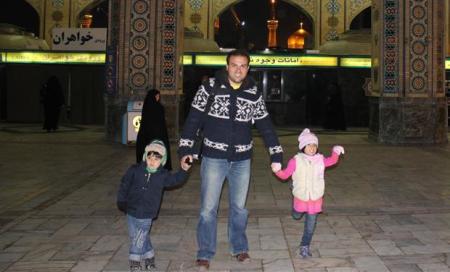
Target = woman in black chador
(52,98)
(153,126)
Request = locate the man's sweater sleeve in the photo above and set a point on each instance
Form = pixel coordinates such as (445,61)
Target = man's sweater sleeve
(265,128)
(193,122)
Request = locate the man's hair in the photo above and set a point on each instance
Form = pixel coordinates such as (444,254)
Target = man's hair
(238,52)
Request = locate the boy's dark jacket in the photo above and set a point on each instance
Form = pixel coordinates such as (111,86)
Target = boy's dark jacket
(140,192)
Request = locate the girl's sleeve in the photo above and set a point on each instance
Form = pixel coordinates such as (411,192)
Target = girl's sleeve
(331,160)
(287,172)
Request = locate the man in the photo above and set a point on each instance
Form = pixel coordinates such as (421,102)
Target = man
(227,147)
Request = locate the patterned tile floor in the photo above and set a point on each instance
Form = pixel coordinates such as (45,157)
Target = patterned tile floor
(387,208)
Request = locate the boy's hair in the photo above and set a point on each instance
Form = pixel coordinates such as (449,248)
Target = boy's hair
(238,52)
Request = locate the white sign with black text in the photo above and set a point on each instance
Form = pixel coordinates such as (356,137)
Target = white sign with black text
(79,39)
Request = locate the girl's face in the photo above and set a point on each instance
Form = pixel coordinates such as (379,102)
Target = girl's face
(154,160)
(311,149)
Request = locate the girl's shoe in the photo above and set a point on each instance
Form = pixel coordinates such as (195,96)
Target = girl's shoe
(150,263)
(135,266)
(304,252)
(296,215)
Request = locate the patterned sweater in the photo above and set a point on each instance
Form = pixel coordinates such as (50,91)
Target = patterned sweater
(227,126)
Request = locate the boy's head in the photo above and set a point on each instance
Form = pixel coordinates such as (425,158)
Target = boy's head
(155,155)
(308,142)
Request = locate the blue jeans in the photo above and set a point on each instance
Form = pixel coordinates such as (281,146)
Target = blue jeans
(213,173)
(310,226)
(139,233)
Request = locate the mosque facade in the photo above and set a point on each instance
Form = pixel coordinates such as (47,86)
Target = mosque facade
(407,100)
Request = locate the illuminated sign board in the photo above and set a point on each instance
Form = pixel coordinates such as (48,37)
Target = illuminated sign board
(53,57)
(355,62)
(211,60)
(268,60)
(193,59)
(289,61)
(187,59)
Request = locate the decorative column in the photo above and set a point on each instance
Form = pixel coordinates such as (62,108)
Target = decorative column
(407,101)
(144,51)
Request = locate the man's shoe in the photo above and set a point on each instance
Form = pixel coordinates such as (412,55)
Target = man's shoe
(243,257)
(203,263)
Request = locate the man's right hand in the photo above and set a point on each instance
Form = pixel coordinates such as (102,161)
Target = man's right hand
(186,161)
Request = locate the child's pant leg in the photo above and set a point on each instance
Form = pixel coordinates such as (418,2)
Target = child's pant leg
(138,231)
(310,226)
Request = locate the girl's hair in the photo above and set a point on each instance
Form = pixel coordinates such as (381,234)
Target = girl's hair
(303,150)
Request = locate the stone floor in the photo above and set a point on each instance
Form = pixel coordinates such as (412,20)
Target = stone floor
(387,208)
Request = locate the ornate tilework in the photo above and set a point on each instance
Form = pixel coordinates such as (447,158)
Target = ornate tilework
(391,46)
(418,55)
(139,45)
(195,4)
(169,45)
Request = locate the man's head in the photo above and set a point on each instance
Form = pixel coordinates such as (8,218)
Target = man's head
(237,65)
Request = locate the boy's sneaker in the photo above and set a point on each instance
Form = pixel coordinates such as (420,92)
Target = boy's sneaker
(150,263)
(135,266)
(304,252)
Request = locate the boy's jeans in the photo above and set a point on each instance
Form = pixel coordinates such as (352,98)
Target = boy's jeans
(213,173)
(139,233)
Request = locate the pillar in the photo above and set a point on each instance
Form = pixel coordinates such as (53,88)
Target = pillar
(407,102)
(144,51)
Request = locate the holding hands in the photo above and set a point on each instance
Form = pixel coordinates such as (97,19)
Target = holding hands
(276,166)
(186,162)
(338,149)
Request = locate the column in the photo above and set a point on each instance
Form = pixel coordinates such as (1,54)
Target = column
(407,103)
(144,51)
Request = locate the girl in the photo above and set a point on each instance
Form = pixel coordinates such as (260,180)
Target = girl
(307,170)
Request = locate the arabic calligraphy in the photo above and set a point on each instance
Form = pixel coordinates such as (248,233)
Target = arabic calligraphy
(57,39)
(93,39)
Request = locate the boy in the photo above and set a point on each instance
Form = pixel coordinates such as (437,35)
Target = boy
(139,197)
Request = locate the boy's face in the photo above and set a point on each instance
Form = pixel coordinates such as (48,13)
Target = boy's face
(153,160)
(310,149)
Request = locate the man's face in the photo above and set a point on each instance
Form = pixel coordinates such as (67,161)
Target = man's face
(237,68)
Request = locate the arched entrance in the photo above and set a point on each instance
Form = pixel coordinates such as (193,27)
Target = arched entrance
(236,19)
(28,20)
(99,11)
(363,20)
